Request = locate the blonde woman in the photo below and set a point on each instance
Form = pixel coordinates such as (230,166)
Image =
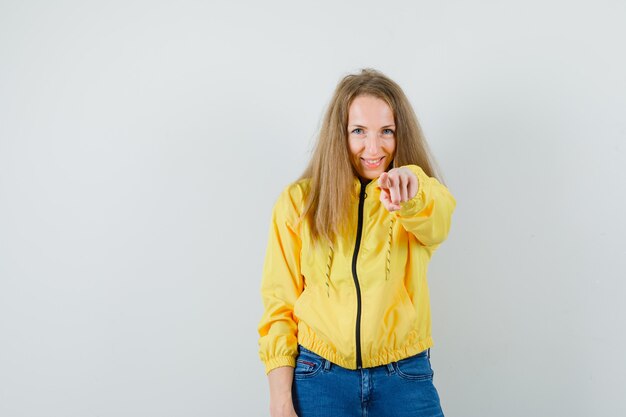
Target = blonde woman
(346,329)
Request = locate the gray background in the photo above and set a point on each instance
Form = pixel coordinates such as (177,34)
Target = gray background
(143,143)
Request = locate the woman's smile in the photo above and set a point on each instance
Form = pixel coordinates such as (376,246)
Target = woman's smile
(372,163)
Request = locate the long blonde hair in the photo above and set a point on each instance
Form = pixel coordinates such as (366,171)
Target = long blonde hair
(327,206)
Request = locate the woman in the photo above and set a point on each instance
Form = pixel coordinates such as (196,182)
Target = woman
(346,329)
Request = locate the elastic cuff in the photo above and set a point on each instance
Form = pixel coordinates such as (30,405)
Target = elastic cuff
(279,361)
(411,207)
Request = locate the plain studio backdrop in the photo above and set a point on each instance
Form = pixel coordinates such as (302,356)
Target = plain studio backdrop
(144,143)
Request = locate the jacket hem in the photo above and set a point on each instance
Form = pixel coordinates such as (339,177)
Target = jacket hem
(401,353)
(310,341)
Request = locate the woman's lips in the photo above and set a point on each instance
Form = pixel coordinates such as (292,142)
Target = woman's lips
(375,164)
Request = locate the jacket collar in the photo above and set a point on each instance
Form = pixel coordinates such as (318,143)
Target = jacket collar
(368,184)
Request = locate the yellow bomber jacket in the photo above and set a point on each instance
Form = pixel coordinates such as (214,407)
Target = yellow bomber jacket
(364,303)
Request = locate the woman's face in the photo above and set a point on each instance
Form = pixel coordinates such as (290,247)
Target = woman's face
(371,136)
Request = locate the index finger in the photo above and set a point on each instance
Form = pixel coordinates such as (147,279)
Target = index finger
(384,181)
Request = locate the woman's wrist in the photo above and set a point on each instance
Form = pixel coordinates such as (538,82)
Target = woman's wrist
(280,380)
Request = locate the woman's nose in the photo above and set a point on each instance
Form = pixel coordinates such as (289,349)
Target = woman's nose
(372,145)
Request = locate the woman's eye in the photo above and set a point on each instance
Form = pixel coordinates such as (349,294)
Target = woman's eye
(357,131)
(388,132)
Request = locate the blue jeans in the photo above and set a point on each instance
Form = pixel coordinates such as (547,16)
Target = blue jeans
(399,389)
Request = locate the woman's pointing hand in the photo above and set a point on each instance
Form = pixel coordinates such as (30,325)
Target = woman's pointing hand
(397,186)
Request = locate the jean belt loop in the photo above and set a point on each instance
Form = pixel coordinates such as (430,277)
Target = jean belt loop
(326,364)
(390,369)
(428,353)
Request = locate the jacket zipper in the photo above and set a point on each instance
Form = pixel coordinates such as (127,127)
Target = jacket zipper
(362,195)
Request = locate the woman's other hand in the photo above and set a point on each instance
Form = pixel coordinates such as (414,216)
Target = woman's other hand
(397,186)
(282,408)
(281,403)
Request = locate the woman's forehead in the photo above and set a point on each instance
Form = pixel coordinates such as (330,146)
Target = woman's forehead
(370,110)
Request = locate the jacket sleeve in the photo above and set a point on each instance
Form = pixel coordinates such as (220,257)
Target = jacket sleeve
(281,285)
(427,215)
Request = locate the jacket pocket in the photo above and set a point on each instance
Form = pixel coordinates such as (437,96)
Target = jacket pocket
(409,305)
